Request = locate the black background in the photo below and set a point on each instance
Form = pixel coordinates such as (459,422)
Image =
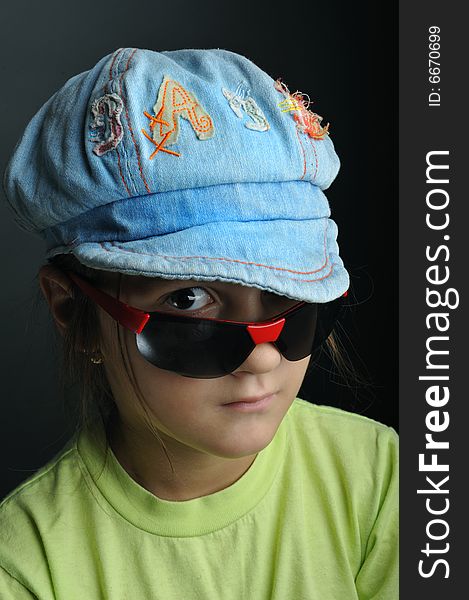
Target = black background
(343,54)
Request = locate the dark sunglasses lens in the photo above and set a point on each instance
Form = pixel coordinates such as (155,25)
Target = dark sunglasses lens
(296,340)
(307,328)
(328,315)
(201,349)
(206,349)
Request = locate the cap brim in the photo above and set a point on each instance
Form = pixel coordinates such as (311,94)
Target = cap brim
(297,259)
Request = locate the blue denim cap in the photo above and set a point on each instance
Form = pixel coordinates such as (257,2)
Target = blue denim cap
(188,164)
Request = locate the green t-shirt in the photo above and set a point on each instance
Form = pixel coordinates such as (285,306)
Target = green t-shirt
(315,517)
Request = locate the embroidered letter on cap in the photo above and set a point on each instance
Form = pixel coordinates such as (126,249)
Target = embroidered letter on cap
(173,102)
(241,100)
(306,120)
(106,127)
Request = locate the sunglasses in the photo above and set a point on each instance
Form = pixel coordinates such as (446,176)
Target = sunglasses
(206,348)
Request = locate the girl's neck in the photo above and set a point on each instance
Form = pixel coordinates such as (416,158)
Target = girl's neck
(146,463)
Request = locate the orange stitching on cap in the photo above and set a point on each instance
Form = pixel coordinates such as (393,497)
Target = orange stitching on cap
(316,157)
(153,122)
(116,54)
(230,260)
(181,101)
(197,124)
(313,280)
(130,126)
(114,244)
(235,260)
(120,171)
(106,89)
(304,155)
(159,147)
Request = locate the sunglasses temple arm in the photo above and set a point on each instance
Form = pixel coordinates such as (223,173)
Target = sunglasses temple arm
(129,317)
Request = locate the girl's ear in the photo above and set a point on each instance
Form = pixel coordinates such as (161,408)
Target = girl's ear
(58,292)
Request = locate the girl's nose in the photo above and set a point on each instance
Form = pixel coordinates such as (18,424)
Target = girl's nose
(264,358)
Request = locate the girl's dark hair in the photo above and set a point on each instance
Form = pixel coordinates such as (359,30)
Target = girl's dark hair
(83,338)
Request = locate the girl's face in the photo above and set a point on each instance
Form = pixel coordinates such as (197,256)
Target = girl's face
(192,414)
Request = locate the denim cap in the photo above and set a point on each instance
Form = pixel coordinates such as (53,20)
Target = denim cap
(187,164)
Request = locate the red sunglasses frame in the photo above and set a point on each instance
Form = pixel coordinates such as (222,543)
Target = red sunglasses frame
(135,319)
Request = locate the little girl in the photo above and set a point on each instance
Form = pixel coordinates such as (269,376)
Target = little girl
(193,272)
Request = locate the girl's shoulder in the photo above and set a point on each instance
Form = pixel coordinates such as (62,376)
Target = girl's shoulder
(347,438)
(342,455)
(38,511)
(336,417)
(59,473)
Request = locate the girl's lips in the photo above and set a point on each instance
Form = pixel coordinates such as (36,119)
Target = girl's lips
(254,398)
(252,404)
